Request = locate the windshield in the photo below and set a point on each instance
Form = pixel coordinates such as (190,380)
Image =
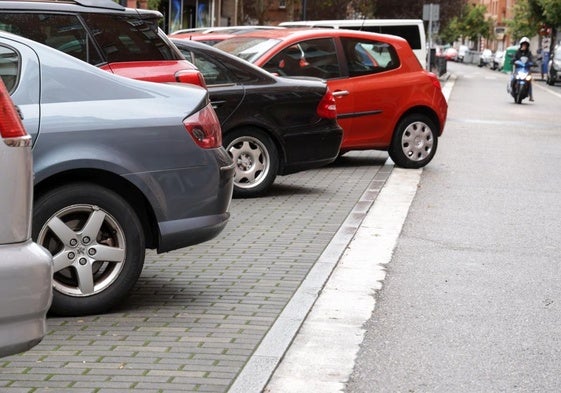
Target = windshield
(247,48)
(557,55)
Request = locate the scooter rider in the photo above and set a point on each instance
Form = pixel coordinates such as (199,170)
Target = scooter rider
(524,51)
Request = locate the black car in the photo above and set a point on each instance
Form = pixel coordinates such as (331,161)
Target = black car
(270,125)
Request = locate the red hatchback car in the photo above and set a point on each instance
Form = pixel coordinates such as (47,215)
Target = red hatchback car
(385,99)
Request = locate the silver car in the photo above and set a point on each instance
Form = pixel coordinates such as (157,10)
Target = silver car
(120,166)
(25,268)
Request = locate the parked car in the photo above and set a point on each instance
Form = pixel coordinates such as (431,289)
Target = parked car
(554,67)
(120,166)
(385,99)
(486,58)
(270,126)
(25,268)
(498,60)
(462,53)
(103,33)
(451,54)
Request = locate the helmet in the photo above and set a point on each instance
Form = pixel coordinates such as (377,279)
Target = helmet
(524,40)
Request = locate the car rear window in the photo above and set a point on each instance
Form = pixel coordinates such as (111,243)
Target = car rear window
(128,38)
(119,37)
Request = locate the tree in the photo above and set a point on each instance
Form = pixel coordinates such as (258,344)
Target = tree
(326,9)
(525,20)
(452,32)
(413,9)
(474,25)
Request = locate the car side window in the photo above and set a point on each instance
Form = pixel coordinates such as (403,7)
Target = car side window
(316,58)
(9,67)
(213,72)
(63,32)
(365,57)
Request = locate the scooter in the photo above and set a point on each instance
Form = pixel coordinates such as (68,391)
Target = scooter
(521,80)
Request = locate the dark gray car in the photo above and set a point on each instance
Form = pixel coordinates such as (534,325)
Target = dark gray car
(120,166)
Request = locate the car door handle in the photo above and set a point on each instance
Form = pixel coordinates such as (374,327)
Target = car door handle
(340,93)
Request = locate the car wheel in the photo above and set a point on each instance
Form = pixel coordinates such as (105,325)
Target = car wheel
(414,141)
(97,243)
(256,159)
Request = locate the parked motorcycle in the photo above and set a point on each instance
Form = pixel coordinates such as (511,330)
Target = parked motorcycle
(521,80)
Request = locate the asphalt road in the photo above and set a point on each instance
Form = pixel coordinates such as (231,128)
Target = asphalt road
(472,298)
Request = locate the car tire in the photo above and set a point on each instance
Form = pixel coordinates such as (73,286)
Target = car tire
(256,161)
(414,141)
(80,224)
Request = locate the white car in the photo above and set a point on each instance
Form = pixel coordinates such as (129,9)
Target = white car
(486,58)
(498,60)
(26,269)
(462,52)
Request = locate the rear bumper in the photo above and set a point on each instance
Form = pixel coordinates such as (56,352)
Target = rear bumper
(26,272)
(311,148)
(184,232)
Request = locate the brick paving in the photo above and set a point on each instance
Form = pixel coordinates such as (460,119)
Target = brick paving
(197,314)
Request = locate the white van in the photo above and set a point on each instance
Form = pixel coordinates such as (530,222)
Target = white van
(412,30)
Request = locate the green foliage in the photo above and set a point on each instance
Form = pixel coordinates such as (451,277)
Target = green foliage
(530,14)
(474,24)
(551,12)
(525,20)
(470,23)
(452,31)
(154,4)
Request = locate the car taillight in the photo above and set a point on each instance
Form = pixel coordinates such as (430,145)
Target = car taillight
(204,128)
(11,128)
(194,77)
(327,107)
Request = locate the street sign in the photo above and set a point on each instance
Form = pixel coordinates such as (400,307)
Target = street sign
(431,12)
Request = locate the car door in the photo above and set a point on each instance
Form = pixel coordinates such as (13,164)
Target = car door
(19,69)
(376,89)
